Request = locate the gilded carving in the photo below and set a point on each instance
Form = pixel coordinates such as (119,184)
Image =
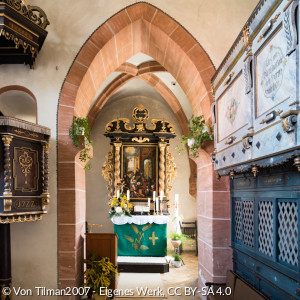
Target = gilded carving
(110,124)
(6,140)
(25,162)
(19,42)
(161,181)
(117,164)
(140,140)
(171,171)
(254,170)
(108,171)
(139,127)
(246,35)
(140,114)
(20,219)
(7,204)
(33,13)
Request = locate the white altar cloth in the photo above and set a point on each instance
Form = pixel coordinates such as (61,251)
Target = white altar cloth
(140,220)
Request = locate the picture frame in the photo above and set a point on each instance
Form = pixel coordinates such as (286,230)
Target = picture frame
(139,170)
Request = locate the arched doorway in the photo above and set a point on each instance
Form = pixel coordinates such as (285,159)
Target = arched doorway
(138,28)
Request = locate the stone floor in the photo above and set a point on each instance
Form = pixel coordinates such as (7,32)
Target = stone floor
(184,279)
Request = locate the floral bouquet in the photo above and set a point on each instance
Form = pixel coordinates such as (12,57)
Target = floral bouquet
(119,206)
(99,273)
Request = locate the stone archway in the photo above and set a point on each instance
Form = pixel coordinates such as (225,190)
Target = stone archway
(144,28)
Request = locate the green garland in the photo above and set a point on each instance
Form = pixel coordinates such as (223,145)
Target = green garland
(198,133)
(79,127)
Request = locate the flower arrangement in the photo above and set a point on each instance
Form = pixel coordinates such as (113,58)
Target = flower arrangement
(99,273)
(119,206)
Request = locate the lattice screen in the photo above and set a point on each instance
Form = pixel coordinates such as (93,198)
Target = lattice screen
(248,223)
(265,227)
(238,220)
(288,232)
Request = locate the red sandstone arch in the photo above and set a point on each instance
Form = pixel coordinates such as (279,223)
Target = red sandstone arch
(22,89)
(138,28)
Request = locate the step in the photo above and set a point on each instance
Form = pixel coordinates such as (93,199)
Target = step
(142,264)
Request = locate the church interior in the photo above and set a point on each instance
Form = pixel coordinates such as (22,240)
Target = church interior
(150,133)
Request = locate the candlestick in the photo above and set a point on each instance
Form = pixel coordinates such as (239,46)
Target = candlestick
(153,196)
(128,195)
(176,204)
(157,207)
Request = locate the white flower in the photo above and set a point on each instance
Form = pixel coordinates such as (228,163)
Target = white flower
(190,142)
(119,210)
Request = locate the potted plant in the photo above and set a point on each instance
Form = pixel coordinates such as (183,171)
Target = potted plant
(177,260)
(177,239)
(198,133)
(98,275)
(79,133)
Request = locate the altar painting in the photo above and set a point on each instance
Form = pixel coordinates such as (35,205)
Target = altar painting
(140,171)
(275,74)
(233,109)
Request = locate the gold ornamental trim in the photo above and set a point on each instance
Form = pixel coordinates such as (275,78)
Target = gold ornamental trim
(34,13)
(140,140)
(27,165)
(7,140)
(108,171)
(20,219)
(25,162)
(171,171)
(140,114)
(19,42)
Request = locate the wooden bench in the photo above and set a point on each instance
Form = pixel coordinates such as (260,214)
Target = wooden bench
(240,290)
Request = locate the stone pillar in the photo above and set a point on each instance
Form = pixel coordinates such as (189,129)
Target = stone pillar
(213,218)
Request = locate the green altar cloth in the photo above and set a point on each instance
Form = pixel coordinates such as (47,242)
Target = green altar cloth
(142,240)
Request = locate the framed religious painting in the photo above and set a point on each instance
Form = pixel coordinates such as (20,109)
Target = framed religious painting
(140,170)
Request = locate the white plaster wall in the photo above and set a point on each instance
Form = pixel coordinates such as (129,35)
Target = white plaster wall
(97,196)
(214,23)
(19,105)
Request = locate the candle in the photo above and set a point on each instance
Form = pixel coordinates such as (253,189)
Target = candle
(157,207)
(153,196)
(161,195)
(176,204)
(128,195)
(118,193)
(149,202)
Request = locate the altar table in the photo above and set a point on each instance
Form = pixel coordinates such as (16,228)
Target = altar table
(141,235)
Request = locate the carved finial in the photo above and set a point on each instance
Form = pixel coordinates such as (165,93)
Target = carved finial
(297,162)
(254,170)
(246,35)
(231,174)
